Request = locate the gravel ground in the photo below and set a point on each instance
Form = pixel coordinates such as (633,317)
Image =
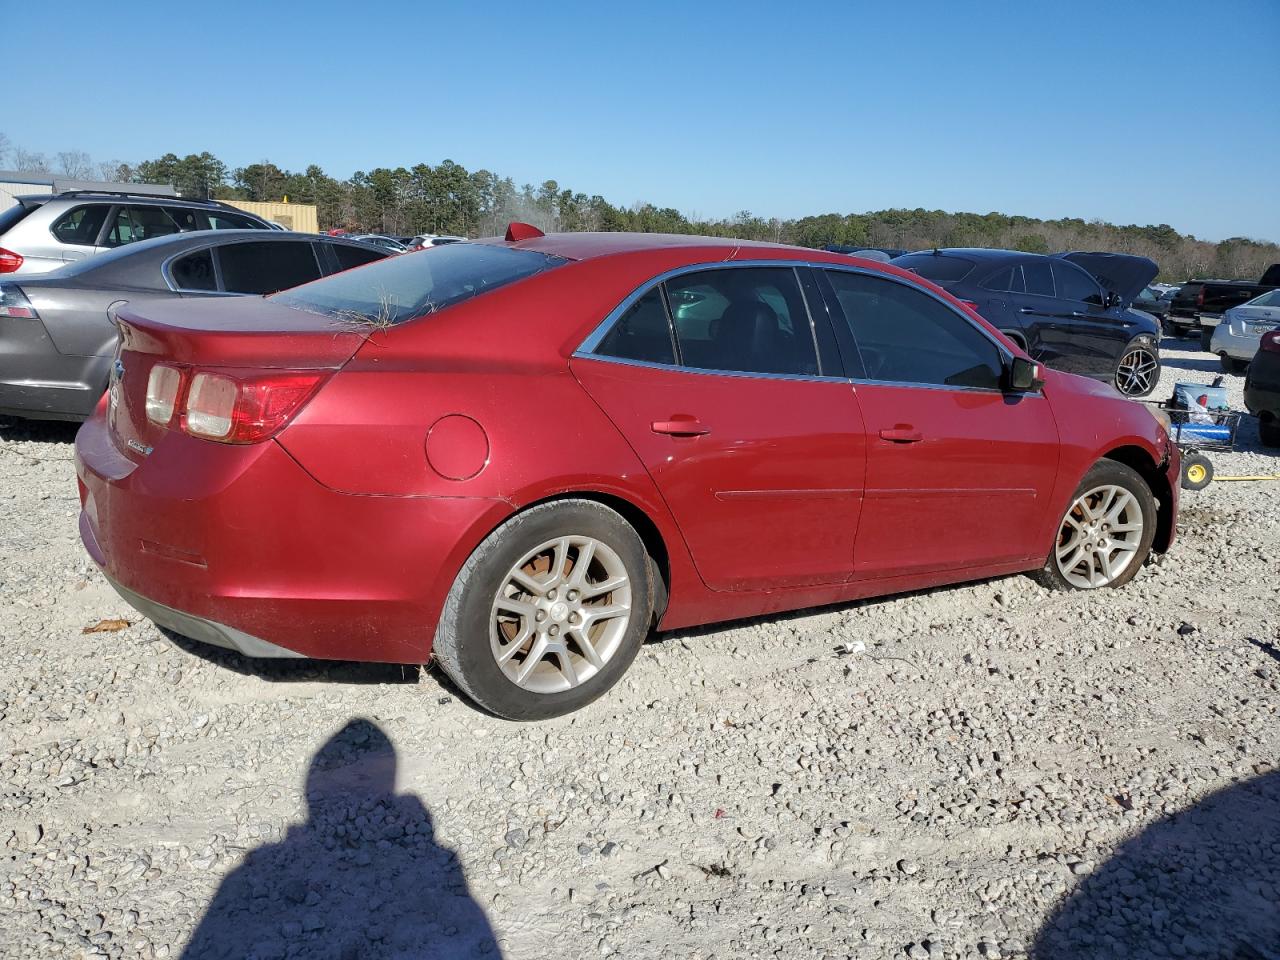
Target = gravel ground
(983,771)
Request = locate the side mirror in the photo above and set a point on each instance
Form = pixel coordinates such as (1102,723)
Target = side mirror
(1112,299)
(1023,376)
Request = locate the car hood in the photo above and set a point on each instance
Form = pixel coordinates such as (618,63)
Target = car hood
(1120,273)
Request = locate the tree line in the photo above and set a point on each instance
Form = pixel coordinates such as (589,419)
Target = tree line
(449,198)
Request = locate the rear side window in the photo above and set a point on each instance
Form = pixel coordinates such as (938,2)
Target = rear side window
(1039,278)
(938,267)
(222,220)
(906,336)
(194,271)
(402,288)
(1072,283)
(263,266)
(1008,280)
(748,320)
(352,256)
(642,333)
(132,224)
(81,225)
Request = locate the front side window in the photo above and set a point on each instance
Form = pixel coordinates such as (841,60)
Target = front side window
(642,333)
(402,288)
(194,271)
(81,225)
(744,320)
(264,266)
(907,336)
(222,220)
(349,255)
(185,218)
(1072,283)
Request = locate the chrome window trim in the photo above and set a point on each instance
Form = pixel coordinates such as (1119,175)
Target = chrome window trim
(702,371)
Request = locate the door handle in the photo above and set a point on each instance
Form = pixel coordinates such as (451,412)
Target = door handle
(680,427)
(1025,310)
(904,434)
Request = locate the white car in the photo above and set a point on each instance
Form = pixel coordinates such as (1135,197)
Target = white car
(424,240)
(1236,338)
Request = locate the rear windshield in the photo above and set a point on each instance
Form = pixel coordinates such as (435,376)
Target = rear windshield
(413,284)
(938,267)
(9,218)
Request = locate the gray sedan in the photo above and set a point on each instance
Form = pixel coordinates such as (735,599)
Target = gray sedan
(56,339)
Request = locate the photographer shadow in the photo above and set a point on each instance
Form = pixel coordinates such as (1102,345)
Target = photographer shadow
(362,878)
(1203,882)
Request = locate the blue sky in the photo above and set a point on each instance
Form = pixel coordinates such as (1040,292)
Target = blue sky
(1158,112)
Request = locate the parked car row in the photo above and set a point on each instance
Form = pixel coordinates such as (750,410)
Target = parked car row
(543,447)
(44,232)
(1201,304)
(56,327)
(1070,311)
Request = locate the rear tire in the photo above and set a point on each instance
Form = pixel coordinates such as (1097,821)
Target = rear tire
(1232,365)
(522,633)
(1206,339)
(1269,432)
(1112,513)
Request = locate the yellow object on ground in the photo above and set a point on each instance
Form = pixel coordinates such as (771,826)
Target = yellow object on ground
(1264,476)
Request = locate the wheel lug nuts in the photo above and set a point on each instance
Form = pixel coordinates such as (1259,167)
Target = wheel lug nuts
(573,594)
(554,631)
(551,594)
(540,615)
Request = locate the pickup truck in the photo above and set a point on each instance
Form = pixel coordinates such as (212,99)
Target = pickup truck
(1201,303)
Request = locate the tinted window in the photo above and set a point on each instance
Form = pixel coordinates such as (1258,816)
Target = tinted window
(401,288)
(1072,283)
(750,320)
(185,218)
(1000,281)
(132,224)
(262,266)
(194,271)
(642,333)
(351,256)
(10,218)
(222,220)
(82,224)
(938,267)
(906,336)
(1039,279)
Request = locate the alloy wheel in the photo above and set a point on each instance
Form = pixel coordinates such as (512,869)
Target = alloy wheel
(1100,536)
(561,613)
(1135,376)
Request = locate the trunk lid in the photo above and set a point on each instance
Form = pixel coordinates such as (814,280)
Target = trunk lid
(245,333)
(1121,273)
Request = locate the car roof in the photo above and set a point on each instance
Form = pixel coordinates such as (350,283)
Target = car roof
(587,246)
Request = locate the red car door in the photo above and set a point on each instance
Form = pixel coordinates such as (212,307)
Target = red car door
(959,471)
(759,456)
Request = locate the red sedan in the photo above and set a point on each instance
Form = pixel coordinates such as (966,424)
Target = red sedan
(519,456)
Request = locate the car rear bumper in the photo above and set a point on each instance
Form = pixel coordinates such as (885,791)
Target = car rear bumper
(1262,388)
(1234,345)
(240,547)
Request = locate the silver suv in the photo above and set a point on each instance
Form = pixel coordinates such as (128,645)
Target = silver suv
(44,232)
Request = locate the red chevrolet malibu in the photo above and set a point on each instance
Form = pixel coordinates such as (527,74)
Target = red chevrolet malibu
(519,456)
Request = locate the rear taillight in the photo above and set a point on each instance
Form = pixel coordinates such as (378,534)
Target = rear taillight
(10,262)
(1200,297)
(234,409)
(162,393)
(14,303)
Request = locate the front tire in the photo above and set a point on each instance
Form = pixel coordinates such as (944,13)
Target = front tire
(1138,371)
(1269,432)
(548,612)
(1105,536)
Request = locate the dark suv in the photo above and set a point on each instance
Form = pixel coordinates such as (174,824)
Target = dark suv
(1069,310)
(46,231)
